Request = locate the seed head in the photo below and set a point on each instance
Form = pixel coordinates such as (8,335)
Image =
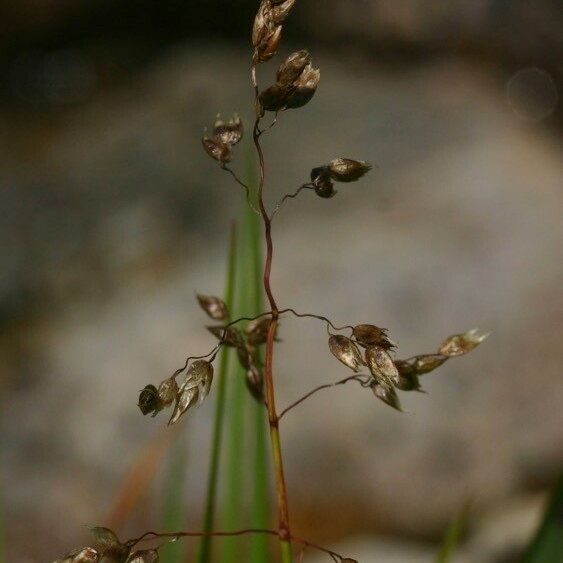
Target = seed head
(381,365)
(292,68)
(304,87)
(371,335)
(348,170)
(144,556)
(460,344)
(167,391)
(194,389)
(345,351)
(149,400)
(228,132)
(217,150)
(387,394)
(84,555)
(321,181)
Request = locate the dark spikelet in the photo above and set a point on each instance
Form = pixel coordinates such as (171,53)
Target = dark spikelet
(348,170)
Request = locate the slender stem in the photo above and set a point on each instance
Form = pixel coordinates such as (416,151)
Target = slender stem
(320,388)
(290,196)
(283,511)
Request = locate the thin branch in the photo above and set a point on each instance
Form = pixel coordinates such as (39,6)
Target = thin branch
(319,317)
(190,358)
(357,377)
(335,556)
(248,531)
(240,319)
(245,186)
(176,535)
(290,196)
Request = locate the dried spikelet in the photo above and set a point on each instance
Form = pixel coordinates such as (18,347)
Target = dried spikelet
(187,398)
(291,69)
(274,98)
(387,394)
(149,400)
(144,556)
(268,47)
(255,382)
(244,356)
(408,377)
(460,344)
(84,555)
(281,9)
(371,335)
(194,389)
(381,365)
(167,391)
(322,183)
(348,170)
(262,23)
(257,331)
(110,549)
(304,88)
(228,132)
(217,150)
(115,554)
(345,351)
(425,363)
(230,335)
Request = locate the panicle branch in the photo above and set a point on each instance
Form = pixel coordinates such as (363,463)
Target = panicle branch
(108,548)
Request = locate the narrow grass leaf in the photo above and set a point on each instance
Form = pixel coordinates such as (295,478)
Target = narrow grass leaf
(204,553)
(173,514)
(453,536)
(238,399)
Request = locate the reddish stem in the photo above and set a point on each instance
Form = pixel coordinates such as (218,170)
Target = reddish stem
(283,511)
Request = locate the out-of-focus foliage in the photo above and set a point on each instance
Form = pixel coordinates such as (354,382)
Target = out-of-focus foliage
(547,545)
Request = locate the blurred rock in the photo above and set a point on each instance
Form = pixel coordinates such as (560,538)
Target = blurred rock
(497,537)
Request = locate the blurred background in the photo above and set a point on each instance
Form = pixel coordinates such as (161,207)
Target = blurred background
(112,217)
